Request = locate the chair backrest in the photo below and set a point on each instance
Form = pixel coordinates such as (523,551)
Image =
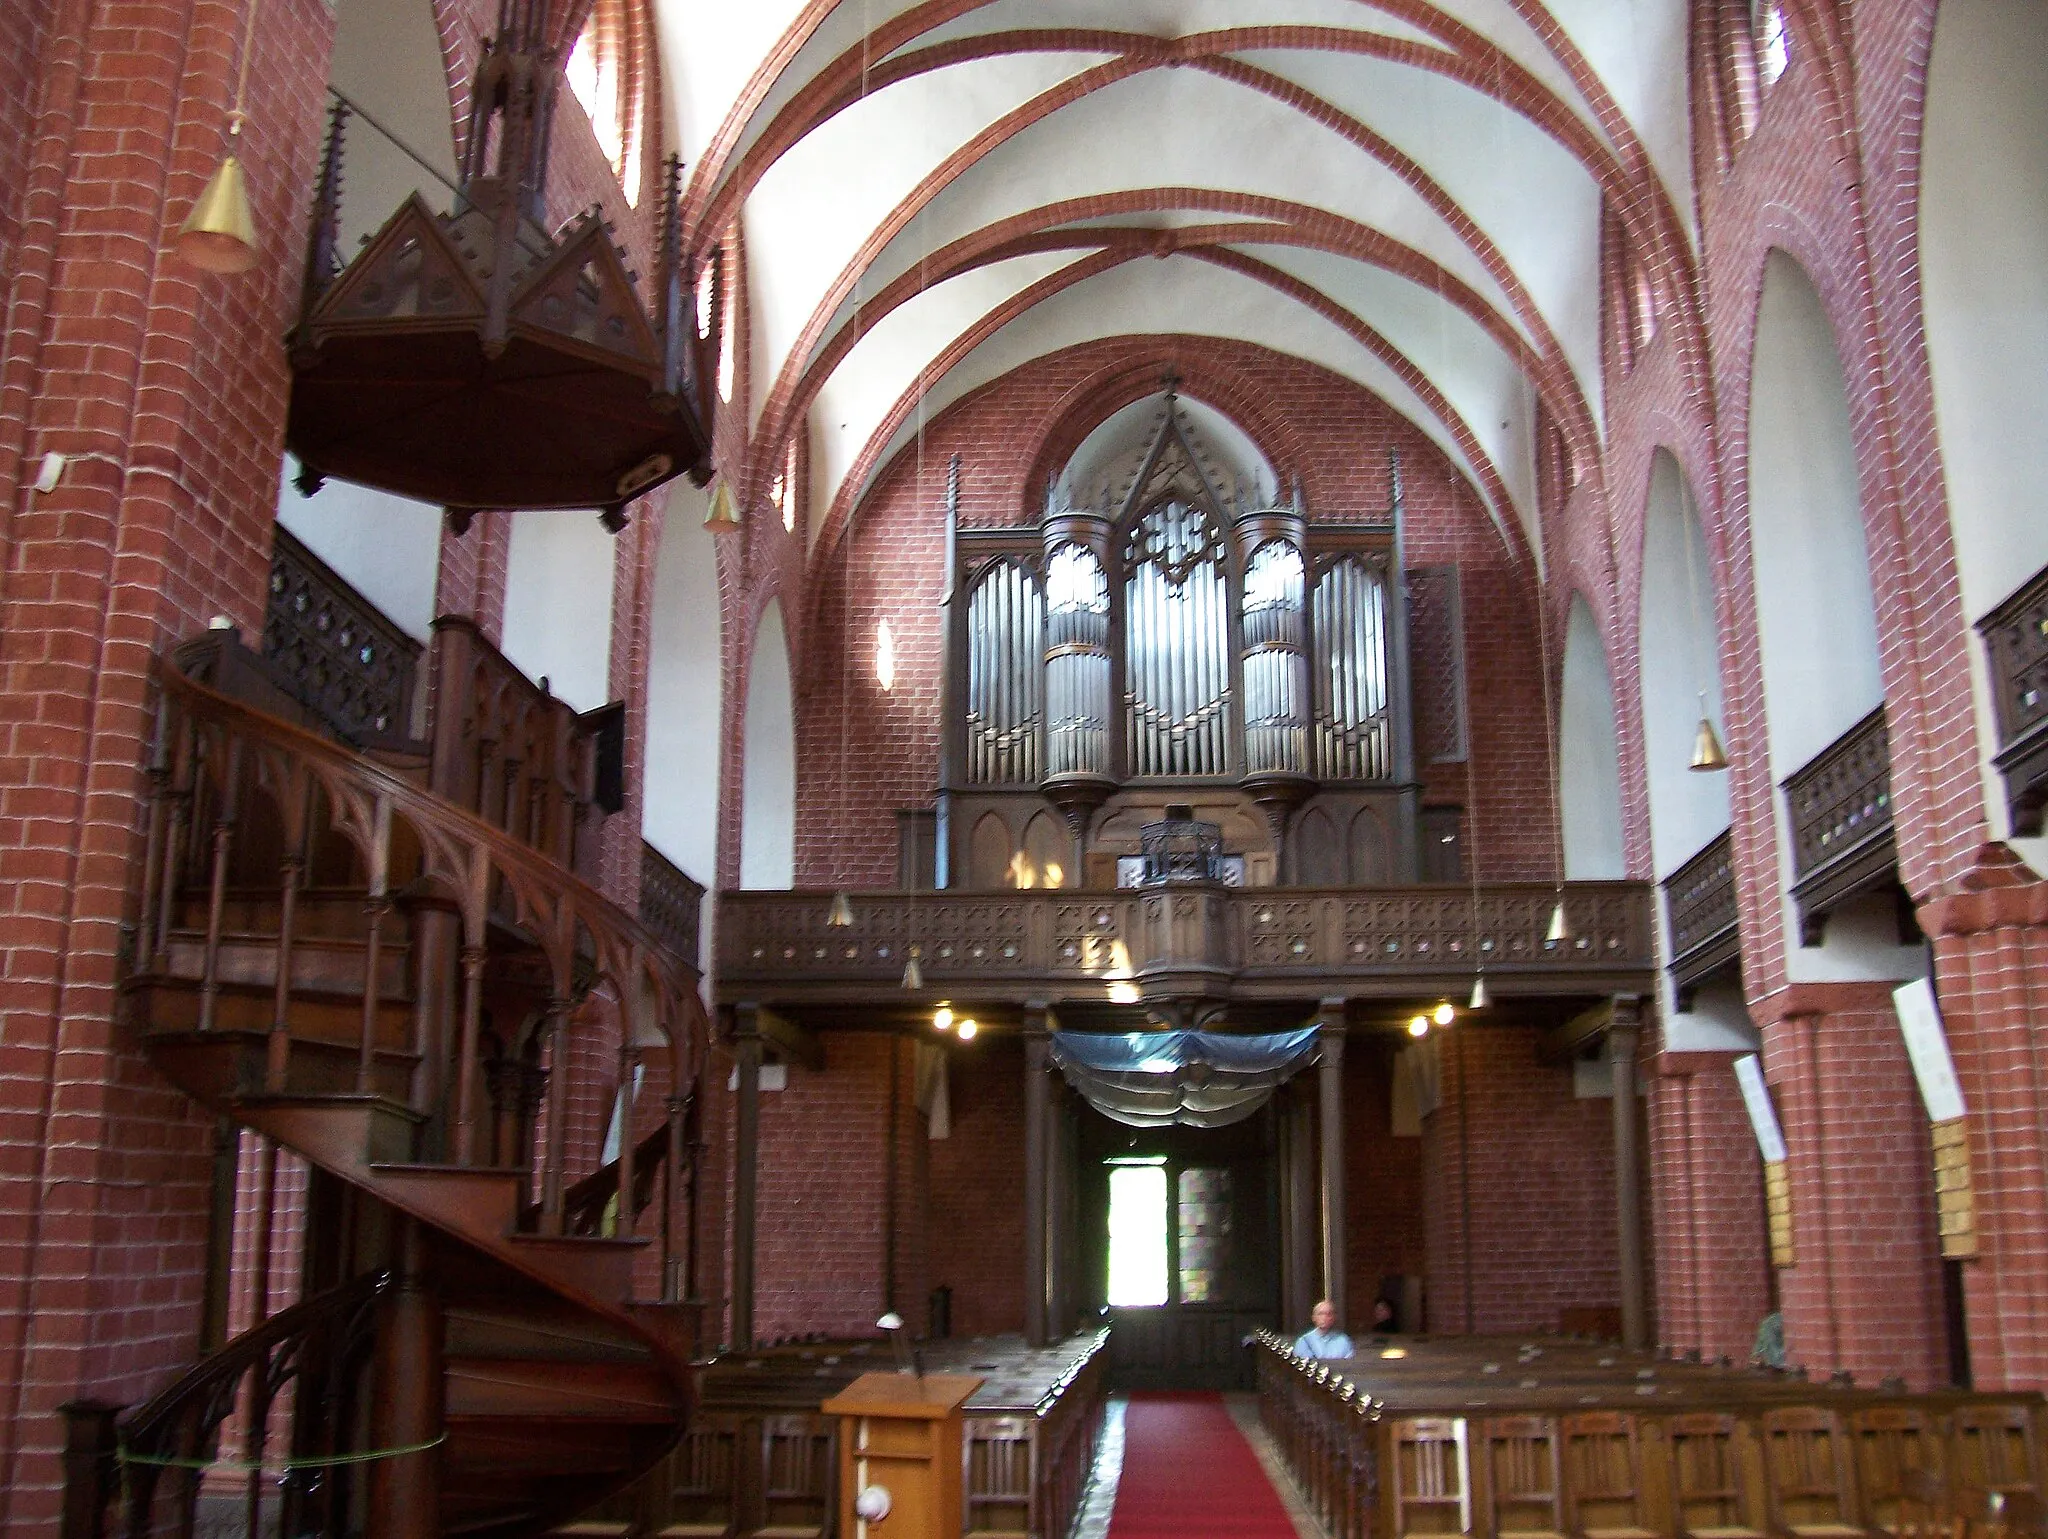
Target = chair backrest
(1603,1475)
(1890,1443)
(1428,1484)
(1710,1487)
(796,1472)
(1992,1447)
(1524,1493)
(1806,1472)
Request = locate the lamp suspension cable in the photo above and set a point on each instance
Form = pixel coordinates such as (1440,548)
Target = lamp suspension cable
(1707,753)
(1559,930)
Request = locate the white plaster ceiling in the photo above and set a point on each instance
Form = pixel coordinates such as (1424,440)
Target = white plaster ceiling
(1335,179)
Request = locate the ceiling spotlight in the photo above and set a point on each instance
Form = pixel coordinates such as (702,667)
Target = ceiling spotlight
(1419,1027)
(1443,1015)
(968,1030)
(942,1018)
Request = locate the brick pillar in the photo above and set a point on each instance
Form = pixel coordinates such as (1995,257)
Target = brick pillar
(166,389)
(1706,1189)
(1864,1292)
(1991,976)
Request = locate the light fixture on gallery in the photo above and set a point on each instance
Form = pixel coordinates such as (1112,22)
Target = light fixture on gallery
(913,974)
(219,234)
(724,517)
(1480,998)
(942,1018)
(1707,753)
(967,1030)
(1419,1027)
(1444,1014)
(840,915)
(1560,931)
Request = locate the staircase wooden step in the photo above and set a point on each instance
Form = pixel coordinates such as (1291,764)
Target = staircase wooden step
(561,1333)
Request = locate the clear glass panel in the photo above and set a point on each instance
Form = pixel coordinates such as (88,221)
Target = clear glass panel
(1137,1236)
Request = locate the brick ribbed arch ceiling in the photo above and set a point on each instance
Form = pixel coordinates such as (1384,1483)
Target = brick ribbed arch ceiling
(1408,192)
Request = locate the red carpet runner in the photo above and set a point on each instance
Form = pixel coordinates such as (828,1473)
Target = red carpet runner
(1189,1474)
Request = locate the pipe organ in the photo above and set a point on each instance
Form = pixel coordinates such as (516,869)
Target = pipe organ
(1177,648)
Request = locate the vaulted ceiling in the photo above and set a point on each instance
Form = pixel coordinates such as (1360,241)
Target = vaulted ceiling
(1407,193)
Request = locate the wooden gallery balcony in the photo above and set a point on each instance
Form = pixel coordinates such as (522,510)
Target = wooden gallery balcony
(2016,645)
(1843,846)
(1183,950)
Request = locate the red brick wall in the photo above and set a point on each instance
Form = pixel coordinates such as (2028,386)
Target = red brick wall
(862,753)
(1385,1234)
(977,1191)
(1541,1188)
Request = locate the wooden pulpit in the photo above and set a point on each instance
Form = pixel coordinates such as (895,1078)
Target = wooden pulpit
(902,1433)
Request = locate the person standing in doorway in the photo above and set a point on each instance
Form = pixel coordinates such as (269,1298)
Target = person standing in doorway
(1323,1339)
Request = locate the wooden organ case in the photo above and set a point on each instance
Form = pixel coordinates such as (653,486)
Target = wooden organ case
(1184,651)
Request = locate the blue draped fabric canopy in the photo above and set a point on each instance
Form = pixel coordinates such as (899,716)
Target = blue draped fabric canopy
(1204,1079)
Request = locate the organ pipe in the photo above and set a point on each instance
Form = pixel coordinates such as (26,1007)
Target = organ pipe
(1177,646)
(1354,730)
(1005,641)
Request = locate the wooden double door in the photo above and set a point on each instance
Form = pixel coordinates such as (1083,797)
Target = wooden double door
(1221,1258)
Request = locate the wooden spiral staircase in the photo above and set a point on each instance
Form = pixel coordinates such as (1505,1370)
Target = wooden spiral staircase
(428,1008)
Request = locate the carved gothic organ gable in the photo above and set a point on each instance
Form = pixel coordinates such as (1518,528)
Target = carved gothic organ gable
(1354,724)
(1176,645)
(1006,644)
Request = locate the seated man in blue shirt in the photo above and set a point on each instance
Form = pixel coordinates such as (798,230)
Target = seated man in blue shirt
(1325,1340)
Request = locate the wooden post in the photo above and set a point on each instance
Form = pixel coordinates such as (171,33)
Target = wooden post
(406,1404)
(1330,1034)
(1037,1066)
(1622,1035)
(747,1142)
(89,1478)
(1301,1205)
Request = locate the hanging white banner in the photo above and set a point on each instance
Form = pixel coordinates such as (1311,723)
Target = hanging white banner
(1756,1095)
(1927,1046)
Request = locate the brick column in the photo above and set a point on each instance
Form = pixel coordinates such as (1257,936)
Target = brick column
(1864,1293)
(1706,1190)
(1991,976)
(166,389)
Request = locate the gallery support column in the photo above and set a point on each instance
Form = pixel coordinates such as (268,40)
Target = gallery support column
(746,1152)
(1037,1104)
(1623,1033)
(1330,1036)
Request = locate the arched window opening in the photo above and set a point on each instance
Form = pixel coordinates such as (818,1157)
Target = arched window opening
(607,73)
(1773,43)
(723,295)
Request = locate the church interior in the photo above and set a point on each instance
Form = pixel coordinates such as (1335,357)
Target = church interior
(710,709)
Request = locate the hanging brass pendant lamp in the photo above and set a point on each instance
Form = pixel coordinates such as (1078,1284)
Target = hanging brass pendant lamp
(219,234)
(1707,753)
(840,915)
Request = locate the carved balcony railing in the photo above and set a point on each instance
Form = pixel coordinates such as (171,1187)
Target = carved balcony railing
(1699,902)
(671,904)
(334,651)
(1841,805)
(507,750)
(1197,941)
(346,931)
(2016,641)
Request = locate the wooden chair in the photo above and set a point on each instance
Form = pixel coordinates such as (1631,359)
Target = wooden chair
(1427,1488)
(1522,1482)
(1712,1494)
(1603,1477)
(700,1502)
(1892,1442)
(1807,1478)
(797,1485)
(1992,1448)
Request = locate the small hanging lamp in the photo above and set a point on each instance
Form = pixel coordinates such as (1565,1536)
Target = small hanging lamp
(1444,1014)
(1559,930)
(1707,753)
(724,517)
(219,234)
(840,915)
(1480,999)
(913,974)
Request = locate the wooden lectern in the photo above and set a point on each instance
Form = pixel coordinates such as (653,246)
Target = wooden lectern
(902,1433)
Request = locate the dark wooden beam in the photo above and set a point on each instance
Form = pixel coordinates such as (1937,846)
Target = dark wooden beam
(1330,1033)
(792,1042)
(1579,1035)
